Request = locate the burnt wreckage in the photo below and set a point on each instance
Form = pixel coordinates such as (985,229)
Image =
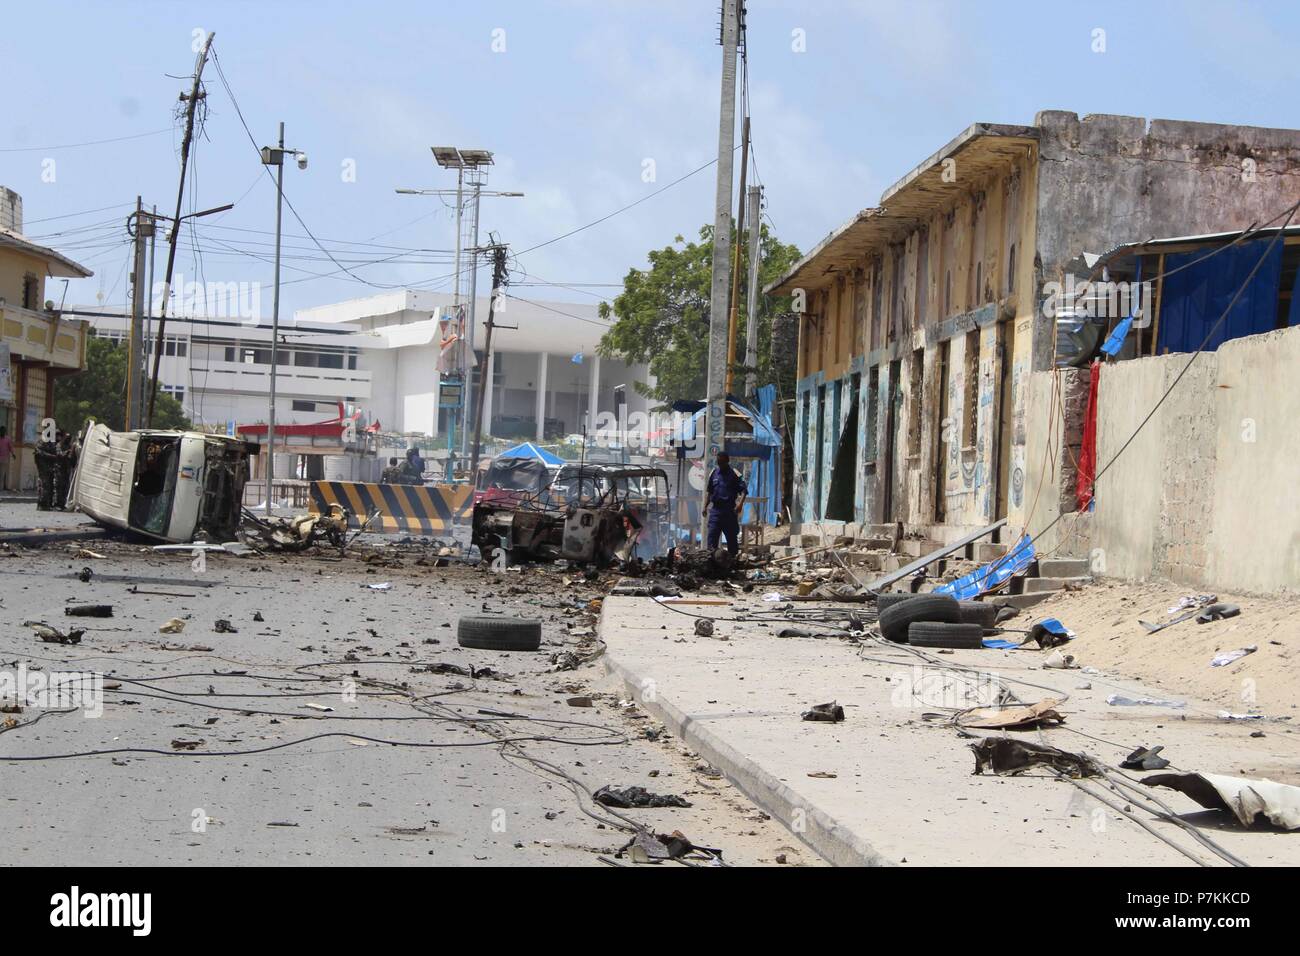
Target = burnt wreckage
(586,513)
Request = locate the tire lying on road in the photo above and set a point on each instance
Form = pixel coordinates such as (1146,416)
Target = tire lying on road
(977,612)
(935,634)
(890,598)
(895,620)
(499,633)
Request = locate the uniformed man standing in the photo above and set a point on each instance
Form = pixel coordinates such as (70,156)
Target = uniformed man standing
(47,457)
(726,496)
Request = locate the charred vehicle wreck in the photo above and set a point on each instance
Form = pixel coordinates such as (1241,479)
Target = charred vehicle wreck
(169,485)
(587,513)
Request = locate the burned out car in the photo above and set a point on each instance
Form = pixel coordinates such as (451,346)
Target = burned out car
(588,513)
(169,485)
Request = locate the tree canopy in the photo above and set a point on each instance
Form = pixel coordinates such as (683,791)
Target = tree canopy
(99,391)
(662,315)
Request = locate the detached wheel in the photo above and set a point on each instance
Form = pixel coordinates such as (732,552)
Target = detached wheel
(895,620)
(933,634)
(888,600)
(977,612)
(499,633)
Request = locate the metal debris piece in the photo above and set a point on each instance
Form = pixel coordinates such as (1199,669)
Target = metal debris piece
(1003,755)
(1145,758)
(89,610)
(1013,717)
(703,627)
(832,712)
(52,635)
(1247,799)
(222,626)
(628,798)
(174,626)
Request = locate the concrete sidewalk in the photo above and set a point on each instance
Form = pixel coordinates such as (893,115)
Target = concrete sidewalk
(22,523)
(889,786)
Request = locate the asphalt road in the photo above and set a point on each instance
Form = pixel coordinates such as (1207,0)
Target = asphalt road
(478,789)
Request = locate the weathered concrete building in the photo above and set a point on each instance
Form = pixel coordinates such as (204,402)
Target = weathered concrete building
(924,317)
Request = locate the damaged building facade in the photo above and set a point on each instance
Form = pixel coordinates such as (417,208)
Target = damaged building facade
(936,386)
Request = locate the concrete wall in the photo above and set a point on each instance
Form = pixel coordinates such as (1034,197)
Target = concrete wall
(1206,493)
(1104,180)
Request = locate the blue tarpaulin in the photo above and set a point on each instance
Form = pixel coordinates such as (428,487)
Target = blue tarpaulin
(529,450)
(1199,286)
(989,576)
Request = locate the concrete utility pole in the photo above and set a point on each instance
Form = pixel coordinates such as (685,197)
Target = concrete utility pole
(715,410)
(275,332)
(485,377)
(733,301)
(473,302)
(751,315)
(190,104)
(143,229)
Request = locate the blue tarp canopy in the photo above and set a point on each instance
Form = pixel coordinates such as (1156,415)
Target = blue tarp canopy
(759,444)
(529,450)
(1199,286)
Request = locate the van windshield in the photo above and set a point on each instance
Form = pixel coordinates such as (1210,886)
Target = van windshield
(156,465)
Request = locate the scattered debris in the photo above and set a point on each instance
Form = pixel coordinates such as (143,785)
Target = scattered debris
(1217,612)
(1012,716)
(222,626)
(1061,661)
(1145,758)
(1245,798)
(628,798)
(1050,632)
(831,712)
(186,744)
(52,635)
(89,610)
(1228,657)
(1004,755)
(703,627)
(174,626)
(1119,700)
(84,575)
(385,586)
(579,701)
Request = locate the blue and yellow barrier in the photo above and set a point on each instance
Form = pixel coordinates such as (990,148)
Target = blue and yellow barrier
(403,509)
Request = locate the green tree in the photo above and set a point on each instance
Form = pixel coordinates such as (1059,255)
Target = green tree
(661,318)
(99,391)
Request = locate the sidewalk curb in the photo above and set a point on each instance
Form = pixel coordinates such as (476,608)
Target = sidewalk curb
(829,839)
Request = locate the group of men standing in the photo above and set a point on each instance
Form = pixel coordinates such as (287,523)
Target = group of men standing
(408,472)
(55,461)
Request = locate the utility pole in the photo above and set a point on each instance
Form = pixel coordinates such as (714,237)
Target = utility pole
(715,410)
(485,379)
(473,302)
(755,199)
(143,228)
(733,306)
(191,104)
(275,332)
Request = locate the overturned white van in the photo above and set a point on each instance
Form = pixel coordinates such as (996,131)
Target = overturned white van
(169,485)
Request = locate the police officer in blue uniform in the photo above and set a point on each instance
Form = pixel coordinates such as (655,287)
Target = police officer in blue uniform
(726,496)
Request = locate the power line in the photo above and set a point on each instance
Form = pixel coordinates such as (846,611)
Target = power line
(93,142)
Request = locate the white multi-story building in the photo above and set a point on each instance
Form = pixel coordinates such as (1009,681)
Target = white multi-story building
(380,354)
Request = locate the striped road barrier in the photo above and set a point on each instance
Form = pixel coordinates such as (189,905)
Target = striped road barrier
(403,509)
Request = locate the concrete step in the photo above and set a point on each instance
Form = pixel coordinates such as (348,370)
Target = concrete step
(1021,601)
(1063,567)
(872,560)
(986,551)
(916,547)
(880,543)
(1037,585)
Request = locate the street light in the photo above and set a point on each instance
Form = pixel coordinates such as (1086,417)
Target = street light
(473,160)
(274,156)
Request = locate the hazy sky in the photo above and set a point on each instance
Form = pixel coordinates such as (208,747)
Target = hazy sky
(581,95)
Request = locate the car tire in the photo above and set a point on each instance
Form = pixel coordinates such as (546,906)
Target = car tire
(936,634)
(977,612)
(889,599)
(895,620)
(499,633)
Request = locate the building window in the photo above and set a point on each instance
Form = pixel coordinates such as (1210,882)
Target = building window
(1011,268)
(31,292)
(175,391)
(301,405)
(915,398)
(970,412)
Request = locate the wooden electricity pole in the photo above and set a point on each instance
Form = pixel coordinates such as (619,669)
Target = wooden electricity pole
(190,105)
(485,372)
